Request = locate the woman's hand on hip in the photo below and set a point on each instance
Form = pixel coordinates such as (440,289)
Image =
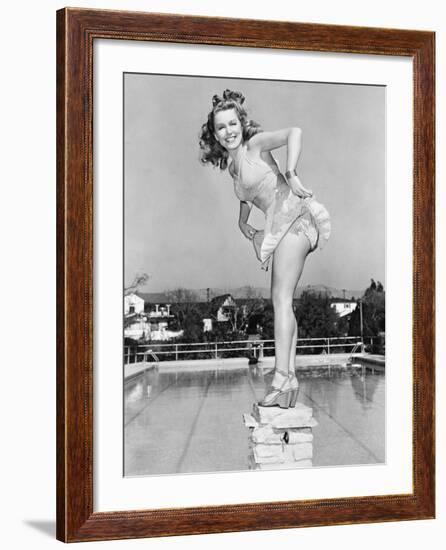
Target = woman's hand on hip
(298,189)
(247,230)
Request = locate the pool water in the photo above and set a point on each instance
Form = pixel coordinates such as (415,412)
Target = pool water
(178,420)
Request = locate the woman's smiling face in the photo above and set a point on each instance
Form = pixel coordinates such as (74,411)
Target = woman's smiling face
(228,129)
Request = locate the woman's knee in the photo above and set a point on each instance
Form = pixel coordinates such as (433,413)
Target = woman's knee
(281,301)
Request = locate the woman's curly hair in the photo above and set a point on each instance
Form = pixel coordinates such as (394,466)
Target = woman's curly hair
(211,151)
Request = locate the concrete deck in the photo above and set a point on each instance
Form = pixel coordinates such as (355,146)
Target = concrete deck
(302,362)
(372,359)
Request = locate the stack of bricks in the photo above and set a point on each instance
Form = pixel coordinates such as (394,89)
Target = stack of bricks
(281,438)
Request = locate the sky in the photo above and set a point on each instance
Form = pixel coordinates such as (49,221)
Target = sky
(181,218)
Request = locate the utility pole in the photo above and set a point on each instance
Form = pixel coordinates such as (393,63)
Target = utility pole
(361,324)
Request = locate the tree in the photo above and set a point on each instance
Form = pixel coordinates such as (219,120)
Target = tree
(253,308)
(188,317)
(181,296)
(140,279)
(192,326)
(232,313)
(223,330)
(373,312)
(268,322)
(315,316)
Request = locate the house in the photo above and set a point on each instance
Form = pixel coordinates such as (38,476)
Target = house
(160,312)
(242,313)
(136,326)
(133,303)
(159,320)
(207,324)
(142,322)
(135,322)
(342,306)
(223,307)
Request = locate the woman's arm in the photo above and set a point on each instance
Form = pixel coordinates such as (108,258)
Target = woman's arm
(245,228)
(268,141)
(292,138)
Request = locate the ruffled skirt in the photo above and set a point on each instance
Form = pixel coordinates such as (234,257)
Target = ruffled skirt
(289,213)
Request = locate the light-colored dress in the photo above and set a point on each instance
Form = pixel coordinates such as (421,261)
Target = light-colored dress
(263,185)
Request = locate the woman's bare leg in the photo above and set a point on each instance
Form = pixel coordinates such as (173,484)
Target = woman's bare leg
(288,263)
(292,364)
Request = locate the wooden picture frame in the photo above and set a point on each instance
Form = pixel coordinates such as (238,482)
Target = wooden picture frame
(76,31)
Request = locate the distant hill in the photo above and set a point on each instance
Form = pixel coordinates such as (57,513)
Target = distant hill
(241,292)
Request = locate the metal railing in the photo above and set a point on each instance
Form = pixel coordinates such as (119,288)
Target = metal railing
(354,350)
(237,348)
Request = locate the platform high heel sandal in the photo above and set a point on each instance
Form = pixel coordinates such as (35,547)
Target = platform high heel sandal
(281,396)
(294,385)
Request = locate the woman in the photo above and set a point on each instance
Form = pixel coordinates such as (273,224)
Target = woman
(294,222)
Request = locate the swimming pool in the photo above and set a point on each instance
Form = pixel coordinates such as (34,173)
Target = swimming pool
(186,420)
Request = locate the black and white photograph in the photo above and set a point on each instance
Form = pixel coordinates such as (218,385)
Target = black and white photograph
(254,269)
(223,234)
